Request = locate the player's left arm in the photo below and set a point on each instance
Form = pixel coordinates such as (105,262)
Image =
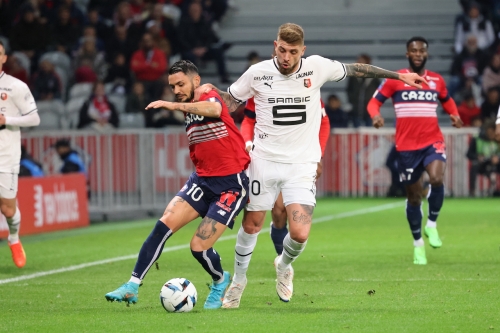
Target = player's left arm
(203,108)
(365,70)
(25,103)
(449,105)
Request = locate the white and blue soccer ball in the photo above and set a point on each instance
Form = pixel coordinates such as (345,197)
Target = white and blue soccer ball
(178,295)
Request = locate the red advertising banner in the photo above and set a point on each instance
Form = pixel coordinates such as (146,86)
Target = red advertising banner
(50,203)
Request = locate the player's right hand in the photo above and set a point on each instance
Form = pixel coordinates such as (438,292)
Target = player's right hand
(203,89)
(456,121)
(378,121)
(249,145)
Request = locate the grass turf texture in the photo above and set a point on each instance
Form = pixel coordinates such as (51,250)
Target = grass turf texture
(458,291)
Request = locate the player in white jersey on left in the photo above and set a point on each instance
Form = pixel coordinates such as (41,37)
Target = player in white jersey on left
(17,109)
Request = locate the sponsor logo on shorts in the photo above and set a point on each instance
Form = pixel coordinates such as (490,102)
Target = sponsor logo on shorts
(227,199)
(184,188)
(440,147)
(221,212)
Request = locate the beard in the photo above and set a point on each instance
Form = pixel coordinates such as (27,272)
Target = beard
(415,68)
(181,98)
(285,71)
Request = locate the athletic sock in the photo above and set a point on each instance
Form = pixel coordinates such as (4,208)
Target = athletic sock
(414,216)
(418,242)
(278,236)
(14,223)
(291,251)
(245,243)
(435,199)
(150,251)
(211,262)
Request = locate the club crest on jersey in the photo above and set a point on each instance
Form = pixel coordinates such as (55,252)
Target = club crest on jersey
(307,83)
(3,96)
(432,84)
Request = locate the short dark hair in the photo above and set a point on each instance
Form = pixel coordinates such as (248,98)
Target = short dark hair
(417,39)
(2,45)
(184,66)
(62,143)
(334,97)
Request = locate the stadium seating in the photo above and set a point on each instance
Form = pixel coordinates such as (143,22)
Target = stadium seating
(73,107)
(5,42)
(80,90)
(118,101)
(131,120)
(51,114)
(24,61)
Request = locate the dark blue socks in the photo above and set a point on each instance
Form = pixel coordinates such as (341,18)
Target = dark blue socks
(435,199)
(414,216)
(277,236)
(210,260)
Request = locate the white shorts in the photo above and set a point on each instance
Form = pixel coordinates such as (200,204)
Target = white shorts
(8,185)
(297,183)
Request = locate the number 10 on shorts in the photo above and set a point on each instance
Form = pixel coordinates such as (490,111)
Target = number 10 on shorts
(195,192)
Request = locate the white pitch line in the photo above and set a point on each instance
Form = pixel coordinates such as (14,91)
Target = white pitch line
(186,246)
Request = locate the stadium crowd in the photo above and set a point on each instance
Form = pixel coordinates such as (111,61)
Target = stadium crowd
(108,49)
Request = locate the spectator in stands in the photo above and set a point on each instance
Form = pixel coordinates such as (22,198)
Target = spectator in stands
(103,30)
(157,118)
(137,100)
(252,58)
(154,28)
(89,52)
(337,116)
(149,63)
(84,73)
(106,7)
(474,24)
(123,17)
(6,16)
(484,155)
(89,32)
(491,74)
(13,67)
(166,27)
(490,105)
(76,15)
(119,75)
(119,43)
(359,92)
(46,84)
(72,161)
(28,167)
(198,41)
(468,109)
(28,35)
(467,66)
(98,113)
(65,33)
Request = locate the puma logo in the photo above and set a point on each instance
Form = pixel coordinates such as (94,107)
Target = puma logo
(268,84)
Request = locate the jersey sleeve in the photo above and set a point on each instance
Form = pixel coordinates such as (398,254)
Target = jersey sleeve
(24,101)
(443,94)
(211,96)
(241,90)
(250,108)
(328,70)
(385,90)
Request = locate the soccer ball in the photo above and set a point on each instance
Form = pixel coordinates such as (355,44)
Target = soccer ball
(178,295)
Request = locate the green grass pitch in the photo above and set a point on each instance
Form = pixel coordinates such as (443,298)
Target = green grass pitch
(359,245)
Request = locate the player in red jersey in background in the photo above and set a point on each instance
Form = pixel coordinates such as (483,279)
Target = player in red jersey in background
(419,141)
(278,213)
(217,191)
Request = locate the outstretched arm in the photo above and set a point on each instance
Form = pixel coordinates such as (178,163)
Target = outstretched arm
(204,108)
(365,70)
(230,102)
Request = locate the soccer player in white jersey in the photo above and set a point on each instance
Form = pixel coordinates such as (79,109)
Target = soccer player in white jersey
(286,149)
(17,109)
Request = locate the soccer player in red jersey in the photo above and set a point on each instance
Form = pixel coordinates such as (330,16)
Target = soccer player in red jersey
(217,191)
(419,141)
(278,213)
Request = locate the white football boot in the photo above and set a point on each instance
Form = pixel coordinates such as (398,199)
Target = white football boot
(233,295)
(284,281)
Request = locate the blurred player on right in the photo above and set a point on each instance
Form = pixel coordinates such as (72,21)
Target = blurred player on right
(419,141)
(497,131)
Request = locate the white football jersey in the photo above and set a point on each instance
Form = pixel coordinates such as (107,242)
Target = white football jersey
(287,107)
(16,100)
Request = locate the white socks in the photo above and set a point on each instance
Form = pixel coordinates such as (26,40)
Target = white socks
(431,224)
(418,242)
(245,244)
(291,251)
(135,280)
(14,223)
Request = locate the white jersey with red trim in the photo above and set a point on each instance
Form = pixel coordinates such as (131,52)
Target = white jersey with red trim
(16,100)
(287,107)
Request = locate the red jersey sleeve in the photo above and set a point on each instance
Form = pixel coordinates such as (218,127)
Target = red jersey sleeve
(449,105)
(384,91)
(324,130)
(250,108)
(211,96)
(247,127)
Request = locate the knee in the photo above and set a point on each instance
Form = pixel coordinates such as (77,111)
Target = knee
(196,245)
(300,236)
(279,217)
(414,199)
(8,211)
(252,223)
(436,180)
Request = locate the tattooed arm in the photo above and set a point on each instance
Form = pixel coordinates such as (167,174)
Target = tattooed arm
(365,70)
(204,108)
(230,102)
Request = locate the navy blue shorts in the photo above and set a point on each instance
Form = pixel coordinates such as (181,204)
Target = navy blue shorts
(412,163)
(219,198)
